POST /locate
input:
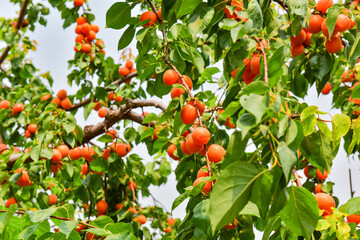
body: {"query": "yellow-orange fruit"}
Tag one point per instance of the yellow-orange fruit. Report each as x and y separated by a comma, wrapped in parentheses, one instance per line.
(207, 186)
(325, 202)
(10, 202)
(343, 23)
(122, 149)
(216, 153)
(203, 172)
(124, 71)
(171, 149)
(333, 45)
(62, 94)
(66, 104)
(101, 206)
(56, 157)
(315, 24)
(191, 146)
(148, 15)
(201, 135)
(326, 90)
(177, 92)
(184, 149)
(170, 77)
(75, 153)
(188, 114)
(299, 39)
(323, 5)
(64, 150)
(321, 176)
(52, 199)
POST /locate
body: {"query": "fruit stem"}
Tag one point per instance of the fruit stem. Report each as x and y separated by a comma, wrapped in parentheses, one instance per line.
(265, 61)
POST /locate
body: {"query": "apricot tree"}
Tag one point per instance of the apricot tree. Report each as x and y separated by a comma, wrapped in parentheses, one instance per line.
(60, 180)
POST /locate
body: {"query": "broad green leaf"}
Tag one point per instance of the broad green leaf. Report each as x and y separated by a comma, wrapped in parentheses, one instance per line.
(287, 159)
(231, 192)
(186, 6)
(201, 217)
(106, 138)
(309, 125)
(255, 104)
(231, 109)
(298, 7)
(197, 59)
(340, 126)
(69, 123)
(351, 207)
(250, 209)
(317, 151)
(356, 92)
(118, 15)
(27, 232)
(66, 227)
(276, 61)
(255, 13)
(150, 118)
(179, 199)
(307, 112)
(236, 149)
(127, 37)
(294, 135)
(256, 87)
(245, 122)
(331, 17)
(301, 213)
(41, 215)
(320, 66)
(5, 217)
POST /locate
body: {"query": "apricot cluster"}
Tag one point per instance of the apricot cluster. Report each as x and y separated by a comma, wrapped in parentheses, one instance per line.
(170, 77)
(15, 110)
(62, 101)
(239, 7)
(127, 69)
(86, 35)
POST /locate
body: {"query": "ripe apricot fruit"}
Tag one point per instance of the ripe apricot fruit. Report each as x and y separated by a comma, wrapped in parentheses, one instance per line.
(4, 104)
(315, 24)
(159, 14)
(170, 77)
(142, 219)
(84, 169)
(129, 64)
(111, 96)
(148, 15)
(201, 135)
(122, 149)
(177, 92)
(88, 153)
(94, 28)
(299, 39)
(307, 41)
(255, 64)
(101, 206)
(187, 80)
(102, 112)
(75, 153)
(56, 157)
(64, 150)
(326, 90)
(318, 188)
(232, 225)
(171, 221)
(112, 133)
(184, 149)
(216, 153)
(78, 29)
(131, 184)
(191, 146)
(321, 176)
(106, 153)
(18, 108)
(100, 43)
(91, 35)
(119, 206)
(62, 94)
(124, 71)
(343, 23)
(45, 97)
(78, 3)
(86, 47)
(200, 105)
(203, 172)
(24, 180)
(66, 104)
(207, 186)
(80, 20)
(32, 127)
(323, 5)
(354, 218)
(118, 98)
(27, 134)
(333, 45)
(325, 30)
(188, 114)
(168, 229)
(10, 202)
(325, 202)
(79, 38)
(348, 76)
(306, 171)
(171, 149)
(52, 199)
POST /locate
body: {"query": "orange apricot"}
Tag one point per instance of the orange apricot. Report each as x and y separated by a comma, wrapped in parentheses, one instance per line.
(86, 47)
(141, 219)
(215, 153)
(27, 134)
(52, 199)
(200, 105)
(347, 76)
(129, 64)
(325, 202)
(307, 41)
(171, 221)
(191, 146)
(201, 135)
(80, 20)
(56, 101)
(56, 157)
(171, 149)
(88, 153)
(64, 150)
(79, 38)
(106, 153)
(78, 3)
(168, 229)
(323, 5)
(159, 14)
(306, 171)
(102, 112)
(148, 15)
(112, 133)
(299, 39)
(318, 188)
(10, 202)
(124, 71)
(84, 170)
(101, 206)
(122, 149)
(255, 64)
(100, 43)
(66, 104)
(118, 98)
(188, 114)
(315, 24)
(4, 104)
(62, 94)
(32, 127)
(320, 175)
(203, 172)
(111, 96)
(177, 92)
(24, 180)
(75, 153)
(45, 97)
(187, 80)
(170, 77)
(327, 89)
(343, 23)
(119, 206)
(184, 149)
(78, 29)
(18, 108)
(207, 186)
(354, 218)
(333, 45)
(325, 29)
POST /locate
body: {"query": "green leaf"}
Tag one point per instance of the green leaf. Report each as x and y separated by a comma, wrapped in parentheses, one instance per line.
(298, 7)
(256, 87)
(201, 217)
(356, 92)
(197, 59)
(320, 66)
(309, 125)
(231, 192)
(254, 12)
(41, 215)
(276, 61)
(69, 123)
(99, 232)
(255, 104)
(27, 232)
(231, 109)
(66, 227)
(307, 112)
(35, 152)
(301, 213)
(127, 37)
(186, 6)
(340, 126)
(106, 138)
(179, 200)
(118, 15)
(150, 118)
(5, 217)
(294, 135)
(94, 181)
(236, 149)
(245, 122)
(332, 15)
(250, 209)
(287, 159)
(317, 151)
(351, 207)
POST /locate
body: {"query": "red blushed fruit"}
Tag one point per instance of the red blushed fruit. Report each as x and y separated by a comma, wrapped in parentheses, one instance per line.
(10, 202)
(177, 92)
(102, 112)
(84, 170)
(325, 202)
(18, 108)
(354, 218)
(4, 104)
(327, 89)
(64, 150)
(188, 114)
(255, 64)
(171, 149)
(32, 128)
(216, 153)
(170, 77)
(87, 153)
(321, 176)
(75, 153)
(184, 148)
(207, 186)
(148, 15)
(200, 105)
(52, 199)
(24, 180)
(201, 135)
(56, 158)
(299, 39)
(323, 5)
(122, 149)
(191, 146)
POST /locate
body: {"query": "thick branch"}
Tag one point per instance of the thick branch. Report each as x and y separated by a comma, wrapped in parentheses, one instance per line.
(18, 25)
(80, 104)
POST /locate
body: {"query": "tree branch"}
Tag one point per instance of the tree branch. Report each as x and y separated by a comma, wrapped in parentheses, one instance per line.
(351, 188)
(284, 6)
(265, 61)
(18, 25)
(297, 179)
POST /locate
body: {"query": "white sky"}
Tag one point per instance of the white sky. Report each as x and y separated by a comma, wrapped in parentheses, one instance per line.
(55, 48)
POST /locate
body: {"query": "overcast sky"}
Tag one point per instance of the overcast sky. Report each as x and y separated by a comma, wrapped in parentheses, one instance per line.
(55, 48)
